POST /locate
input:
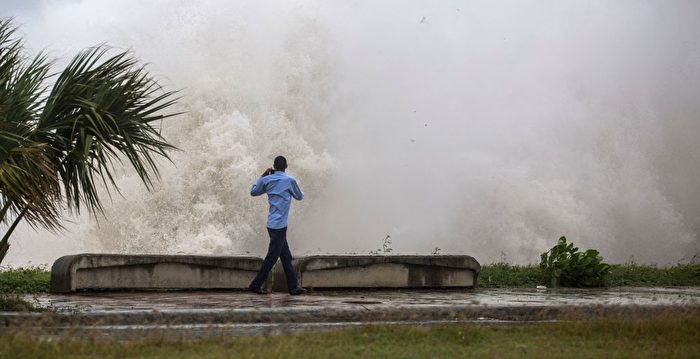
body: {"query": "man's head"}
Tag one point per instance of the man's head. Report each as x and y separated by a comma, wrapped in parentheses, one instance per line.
(280, 163)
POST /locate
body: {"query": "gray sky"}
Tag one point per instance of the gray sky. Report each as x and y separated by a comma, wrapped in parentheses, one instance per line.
(10, 7)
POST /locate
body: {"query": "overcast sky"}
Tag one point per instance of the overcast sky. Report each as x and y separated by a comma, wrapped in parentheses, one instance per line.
(11, 7)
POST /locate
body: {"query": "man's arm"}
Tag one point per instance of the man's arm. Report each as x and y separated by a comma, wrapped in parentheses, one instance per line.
(258, 187)
(296, 191)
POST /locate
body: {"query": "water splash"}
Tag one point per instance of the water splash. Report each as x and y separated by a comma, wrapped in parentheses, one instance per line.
(478, 128)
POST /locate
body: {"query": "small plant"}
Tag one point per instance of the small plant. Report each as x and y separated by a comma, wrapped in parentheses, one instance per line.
(386, 244)
(565, 266)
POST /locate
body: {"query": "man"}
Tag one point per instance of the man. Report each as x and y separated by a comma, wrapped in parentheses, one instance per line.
(280, 189)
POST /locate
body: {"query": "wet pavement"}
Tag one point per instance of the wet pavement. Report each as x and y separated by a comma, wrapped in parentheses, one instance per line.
(185, 301)
(125, 315)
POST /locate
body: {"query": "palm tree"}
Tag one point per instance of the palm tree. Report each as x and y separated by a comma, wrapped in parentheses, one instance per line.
(60, 143)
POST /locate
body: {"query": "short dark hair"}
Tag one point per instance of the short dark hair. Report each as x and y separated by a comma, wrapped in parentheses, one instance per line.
(280, 163)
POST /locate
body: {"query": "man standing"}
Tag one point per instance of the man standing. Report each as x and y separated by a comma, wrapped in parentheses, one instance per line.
(280, 189)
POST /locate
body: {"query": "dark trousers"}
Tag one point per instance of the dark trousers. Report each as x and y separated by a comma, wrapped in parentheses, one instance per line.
(278, 249)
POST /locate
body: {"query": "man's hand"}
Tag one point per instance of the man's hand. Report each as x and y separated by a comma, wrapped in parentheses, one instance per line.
(267, 172)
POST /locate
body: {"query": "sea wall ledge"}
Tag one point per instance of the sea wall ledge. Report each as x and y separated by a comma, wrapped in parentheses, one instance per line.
(383, 271)
(118, 271)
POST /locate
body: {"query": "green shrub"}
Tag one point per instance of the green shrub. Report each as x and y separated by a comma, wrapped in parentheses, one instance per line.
(565, 266)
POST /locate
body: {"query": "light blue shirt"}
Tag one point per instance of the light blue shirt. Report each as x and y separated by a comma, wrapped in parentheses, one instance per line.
(280, 189)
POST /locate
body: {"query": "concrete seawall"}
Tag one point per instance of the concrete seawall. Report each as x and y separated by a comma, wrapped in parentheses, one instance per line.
(143, 272)
(374, 271)
(114, 271)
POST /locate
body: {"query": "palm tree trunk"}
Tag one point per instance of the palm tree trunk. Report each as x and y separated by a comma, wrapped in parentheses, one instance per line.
(4, 242)
(3, 211)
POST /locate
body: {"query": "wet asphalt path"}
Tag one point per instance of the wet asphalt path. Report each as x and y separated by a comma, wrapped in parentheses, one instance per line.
(188, 314)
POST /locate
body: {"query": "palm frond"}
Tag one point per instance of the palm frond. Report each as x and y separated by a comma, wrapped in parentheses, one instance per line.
(101, 110)
(29, 183)
(28, 180)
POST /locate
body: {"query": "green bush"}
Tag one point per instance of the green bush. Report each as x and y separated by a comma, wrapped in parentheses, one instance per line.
(565, 266)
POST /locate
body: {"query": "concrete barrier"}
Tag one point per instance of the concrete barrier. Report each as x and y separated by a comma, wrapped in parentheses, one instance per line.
(115, 271)
(375, 271)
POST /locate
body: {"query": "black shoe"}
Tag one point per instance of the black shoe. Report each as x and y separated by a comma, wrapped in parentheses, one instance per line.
(257, 290)
(297, 291)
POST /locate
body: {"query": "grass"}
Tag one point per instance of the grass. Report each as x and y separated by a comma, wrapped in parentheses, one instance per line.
(644, 275)
(504, 275)
(671, 334)
(15, 303)
(28, 280)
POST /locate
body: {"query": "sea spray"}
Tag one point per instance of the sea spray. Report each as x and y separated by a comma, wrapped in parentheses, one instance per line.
(476, 127)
